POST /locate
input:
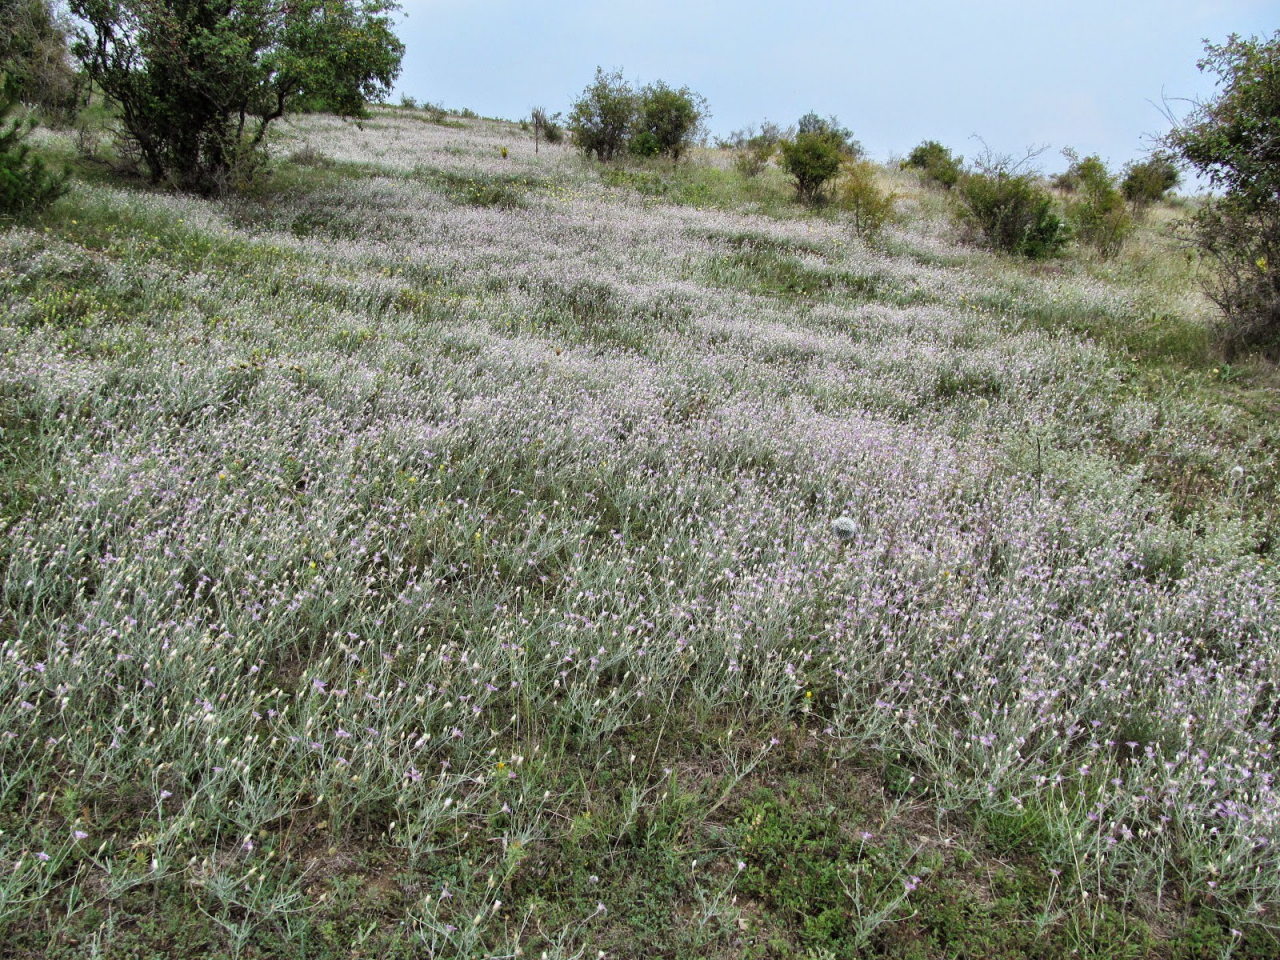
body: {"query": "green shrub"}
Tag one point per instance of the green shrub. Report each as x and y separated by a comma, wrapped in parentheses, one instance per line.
(1099, 213)
(1148, 181)
(1234, 141)
(553, 132)
(936, 163)
(1004, 204)
(858, 193)
(769, 132)
(815, 154)
(435, 112)
(600, 121)
(611, 118)
(199, 83)
(668, 121)
(545, 126)
(643, 143)
(830, 127)
(26, 186)
(750, 161)
(752, 151)
(812, 159)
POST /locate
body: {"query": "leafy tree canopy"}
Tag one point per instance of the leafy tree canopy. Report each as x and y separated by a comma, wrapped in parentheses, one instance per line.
(1234, 139)
(669, 120)
(600, 120)
(1149, 180)
(199, 82)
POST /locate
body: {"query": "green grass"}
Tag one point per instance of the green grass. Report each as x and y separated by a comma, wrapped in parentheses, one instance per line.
(778, 272)
(691, 865)
(506, 191)
(703, 183)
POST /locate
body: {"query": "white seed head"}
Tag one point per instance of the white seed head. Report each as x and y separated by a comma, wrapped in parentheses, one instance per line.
(845, 529)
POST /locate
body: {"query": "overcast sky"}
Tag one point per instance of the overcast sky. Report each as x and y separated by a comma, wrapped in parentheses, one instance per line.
(1086, 74)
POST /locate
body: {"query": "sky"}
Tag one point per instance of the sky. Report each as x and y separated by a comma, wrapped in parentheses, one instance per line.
(1092, 75)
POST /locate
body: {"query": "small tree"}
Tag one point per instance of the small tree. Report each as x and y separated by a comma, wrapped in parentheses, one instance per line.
(600, 120)
(936, 163)
(26, 185)
(830, 127)
(859, 193)
(199, 82)
(1234, 141)
(1001, 200)
(1099, 213)
(812, 159)
(667, 120)
(815, 154)
(1148, 181)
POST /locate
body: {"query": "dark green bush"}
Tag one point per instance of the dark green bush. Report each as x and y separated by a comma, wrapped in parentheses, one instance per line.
(936, 163)
(812, 159)
(815, 154)
(611, 118)
(1148, 181)
(1234, 141)
(601, 120)
(830, 127)
(26, 185)
(668, 121)
(1009, 210)
(643, 143)
(1098, 211)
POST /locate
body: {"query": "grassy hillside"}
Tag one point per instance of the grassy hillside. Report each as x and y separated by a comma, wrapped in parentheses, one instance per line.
(432, 555)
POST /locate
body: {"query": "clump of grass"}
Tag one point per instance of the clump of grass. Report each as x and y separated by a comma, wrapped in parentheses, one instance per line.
(308, 156)
(505, 191)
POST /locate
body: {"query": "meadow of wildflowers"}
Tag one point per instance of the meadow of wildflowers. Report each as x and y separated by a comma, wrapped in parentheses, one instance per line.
(390, 539)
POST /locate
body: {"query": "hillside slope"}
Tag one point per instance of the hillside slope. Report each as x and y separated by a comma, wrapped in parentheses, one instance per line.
(434, 552)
